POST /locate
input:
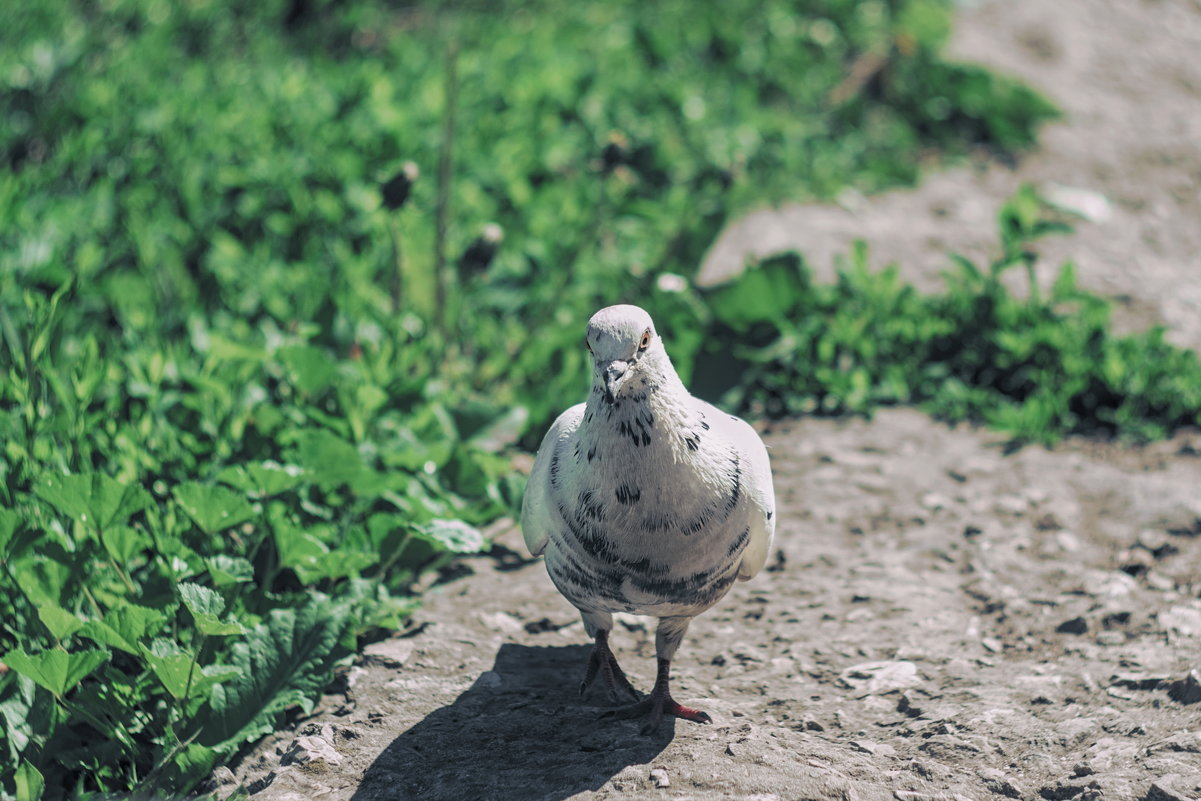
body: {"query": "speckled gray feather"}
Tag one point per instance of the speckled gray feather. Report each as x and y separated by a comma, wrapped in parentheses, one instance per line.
(645, 499)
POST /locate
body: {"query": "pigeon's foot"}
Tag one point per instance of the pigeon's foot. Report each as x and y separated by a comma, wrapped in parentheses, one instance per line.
(603, 662)
(658, 704)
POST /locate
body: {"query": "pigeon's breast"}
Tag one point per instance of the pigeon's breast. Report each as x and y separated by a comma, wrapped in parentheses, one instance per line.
(654, 515)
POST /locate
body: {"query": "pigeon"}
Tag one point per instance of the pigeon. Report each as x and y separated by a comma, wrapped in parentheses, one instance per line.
(646, 500)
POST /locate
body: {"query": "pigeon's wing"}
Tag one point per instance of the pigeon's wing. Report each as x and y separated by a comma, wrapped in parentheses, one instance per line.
(536, 508)
(757, 483)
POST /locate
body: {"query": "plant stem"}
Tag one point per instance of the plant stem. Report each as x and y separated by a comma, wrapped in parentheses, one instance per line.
(398, 277)
(386, 565)
(445, 173)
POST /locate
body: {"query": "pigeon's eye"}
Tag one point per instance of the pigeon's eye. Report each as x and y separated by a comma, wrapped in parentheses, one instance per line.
(645, 342)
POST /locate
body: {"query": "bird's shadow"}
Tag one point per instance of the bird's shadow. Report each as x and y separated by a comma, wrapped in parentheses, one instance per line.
(519, 733)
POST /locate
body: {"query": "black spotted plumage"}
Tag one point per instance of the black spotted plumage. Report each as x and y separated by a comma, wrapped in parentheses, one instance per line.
(645, 499)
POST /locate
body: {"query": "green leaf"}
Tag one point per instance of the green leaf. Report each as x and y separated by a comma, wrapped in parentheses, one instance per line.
(331, 461)
(206, 606)
(54, 668)
(123, 543)
(286, 661)
(453, 535)
(94, 499)
(212, 507)
(171, 663)
(311, 369)
(124, 627)
(8, 527)
(765, 293)
(229, 570)
(262, 479)
(29, 781)
(16, 713)
(62, 624)
(44, 581)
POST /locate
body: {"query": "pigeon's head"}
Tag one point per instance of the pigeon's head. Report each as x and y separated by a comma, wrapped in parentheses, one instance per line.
(627, 354)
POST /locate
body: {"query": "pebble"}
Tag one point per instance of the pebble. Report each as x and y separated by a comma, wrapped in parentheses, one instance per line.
(913, 795)
(391, 653)
(872, 678)
(1183, 620)
(1186, 690)
(997, 782)
(934, 501)
(502, 622)
(1086, 203)
(1076, 625)
(1172, 788)
(1011, 505)
(875, 749)
(311, 749)
(660, 778)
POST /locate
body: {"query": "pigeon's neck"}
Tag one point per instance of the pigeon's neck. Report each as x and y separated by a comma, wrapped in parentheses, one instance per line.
(655, 420)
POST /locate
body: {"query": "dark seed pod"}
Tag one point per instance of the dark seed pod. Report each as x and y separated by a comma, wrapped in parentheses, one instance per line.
(482, 250)
(397, 188)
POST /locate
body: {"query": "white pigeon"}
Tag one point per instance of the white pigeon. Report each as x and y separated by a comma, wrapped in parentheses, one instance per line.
(646, 500)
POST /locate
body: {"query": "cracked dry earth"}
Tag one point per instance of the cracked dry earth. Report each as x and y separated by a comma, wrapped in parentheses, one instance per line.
(942, 620)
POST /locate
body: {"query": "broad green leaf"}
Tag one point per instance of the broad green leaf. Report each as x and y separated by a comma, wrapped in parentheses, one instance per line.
(262, 479)
(766, 293)
(286, 661)
(206, 606)
(62, 624)
(45, 581)
(171, 663)
(453, 535)
(228, 570)
(212, 507)
(16, 712)
(311, 369)
(94, 499)
(29, 781)
(124, 627)
(8, 526)
(54, 668)
(123, 543)
(329, 460)
(191, 766)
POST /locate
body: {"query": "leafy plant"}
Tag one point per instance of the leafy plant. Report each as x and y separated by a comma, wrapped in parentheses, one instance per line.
(232, 432)
(1039, 367)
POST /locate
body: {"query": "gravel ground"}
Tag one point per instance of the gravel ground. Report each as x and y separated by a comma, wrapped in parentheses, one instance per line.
(945, 618)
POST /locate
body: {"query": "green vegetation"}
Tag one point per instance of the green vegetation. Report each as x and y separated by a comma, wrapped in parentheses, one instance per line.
(1037, 367)
(238, 418)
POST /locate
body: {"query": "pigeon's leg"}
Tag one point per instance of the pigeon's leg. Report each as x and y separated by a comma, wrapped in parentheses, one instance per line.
(602, 661)
(659, 702)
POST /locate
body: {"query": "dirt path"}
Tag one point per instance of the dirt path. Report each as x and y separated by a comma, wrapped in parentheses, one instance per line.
(944, 620)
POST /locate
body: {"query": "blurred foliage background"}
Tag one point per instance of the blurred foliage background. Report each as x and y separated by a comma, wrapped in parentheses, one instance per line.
(283, 286)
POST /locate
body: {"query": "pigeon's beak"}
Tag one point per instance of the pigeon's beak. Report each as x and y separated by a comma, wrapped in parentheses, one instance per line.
(613, 372)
